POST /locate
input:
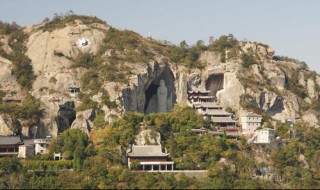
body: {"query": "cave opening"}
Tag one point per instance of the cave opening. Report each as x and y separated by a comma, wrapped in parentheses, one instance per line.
(214, 83)
(66, 116)
(160, 92)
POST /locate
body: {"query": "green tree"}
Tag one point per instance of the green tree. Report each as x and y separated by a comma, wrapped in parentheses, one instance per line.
(183, 44)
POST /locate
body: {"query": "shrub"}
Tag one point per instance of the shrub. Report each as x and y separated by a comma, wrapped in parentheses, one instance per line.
(85, 60)
(293, 85)
(90, 81)
(225, 42)
(302, 64)
(22, 64)
(248, 60)
(53, 80)
(106, 100)
(61, 20)
(58, 53)
(99, 121)
(29, 111)
(87, 103)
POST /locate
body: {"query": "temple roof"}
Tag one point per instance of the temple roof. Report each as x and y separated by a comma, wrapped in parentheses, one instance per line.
(206, 105)
(202, 97)
(10, 140)
(222, 120)
(146, 151)
(199, 91)
(215, 112)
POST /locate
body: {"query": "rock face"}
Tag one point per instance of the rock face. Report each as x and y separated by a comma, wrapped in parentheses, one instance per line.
(151, 92)
(8, 82)
(83, 120)
(154, 86)
(50, 53)
(5, 125)
(148, 137)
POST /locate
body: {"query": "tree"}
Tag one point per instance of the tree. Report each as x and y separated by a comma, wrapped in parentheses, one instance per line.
(183, 44)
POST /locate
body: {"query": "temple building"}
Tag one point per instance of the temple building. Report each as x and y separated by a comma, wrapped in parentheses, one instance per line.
(201, 101)
(41, 146)
(73, 90)
(149, 158)
(9, 145)
(199, 96)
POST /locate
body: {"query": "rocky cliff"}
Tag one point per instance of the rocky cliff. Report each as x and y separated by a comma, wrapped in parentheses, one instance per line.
(80, 69)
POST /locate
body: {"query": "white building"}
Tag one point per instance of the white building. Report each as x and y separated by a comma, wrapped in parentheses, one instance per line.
(265, 135)
(25, 151)
(250, 122)
(41, 146)
(32, 147)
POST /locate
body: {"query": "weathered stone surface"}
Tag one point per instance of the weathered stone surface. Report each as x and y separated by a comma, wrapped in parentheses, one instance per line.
(211, 58)
(143, 88)
(311, 118)
(6, 128)
(301, 79)
(276, 76)
(311, 88)
(229, 96)
(5, 45)
(8, 82)
(83, 120)
(148, 137)
(140, 93)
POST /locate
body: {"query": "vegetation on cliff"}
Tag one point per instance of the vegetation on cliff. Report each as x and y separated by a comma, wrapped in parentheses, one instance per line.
(97, 163)
(22, 69)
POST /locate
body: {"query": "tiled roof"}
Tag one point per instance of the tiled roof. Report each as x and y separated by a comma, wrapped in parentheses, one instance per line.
(10, 140)
(28, 141)
(222, 120)
(202, 97)
(147, 151)
(199, 91)
(215, 112)
(206, 105)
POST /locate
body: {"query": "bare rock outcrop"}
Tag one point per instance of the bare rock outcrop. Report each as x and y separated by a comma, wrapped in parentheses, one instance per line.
(148, 137)
(83, 120)
(311, 88)
(6, 128)
(311, 118)
(139, 94)
(52, 55)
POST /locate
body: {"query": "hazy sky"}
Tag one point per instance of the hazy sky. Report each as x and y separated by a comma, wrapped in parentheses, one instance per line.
(290, 27)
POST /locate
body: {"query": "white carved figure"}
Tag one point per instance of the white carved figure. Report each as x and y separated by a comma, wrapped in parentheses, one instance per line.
(170, 104)
(83, 43)
(162, 97)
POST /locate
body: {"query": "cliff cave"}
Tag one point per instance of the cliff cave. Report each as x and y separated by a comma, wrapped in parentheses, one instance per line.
(160, 93)
(214, 83)
(66, 115)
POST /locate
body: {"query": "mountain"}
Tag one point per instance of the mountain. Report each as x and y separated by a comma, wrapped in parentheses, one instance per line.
(77, 72)
(114, 70)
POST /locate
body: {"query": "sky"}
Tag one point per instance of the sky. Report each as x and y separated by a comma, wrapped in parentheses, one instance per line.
(290, 27)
